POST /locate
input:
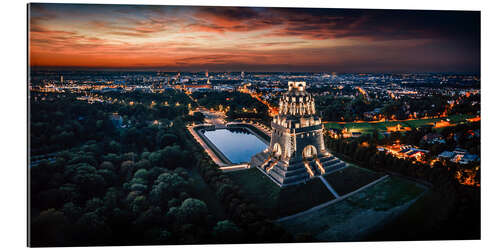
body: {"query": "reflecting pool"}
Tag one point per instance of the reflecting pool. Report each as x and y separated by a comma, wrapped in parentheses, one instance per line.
(237, 144)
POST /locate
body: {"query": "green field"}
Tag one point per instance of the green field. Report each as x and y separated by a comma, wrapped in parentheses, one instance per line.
(414, 217)
(367, 127)
(351, 178)
(277, 202)
(360, 214)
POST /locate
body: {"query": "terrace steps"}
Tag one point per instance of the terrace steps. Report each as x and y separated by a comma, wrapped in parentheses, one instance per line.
(294, 172)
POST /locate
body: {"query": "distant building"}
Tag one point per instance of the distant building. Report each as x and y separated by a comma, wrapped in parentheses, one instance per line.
(107, 90)
(145, 89)
(473, 134)
(404, 151)
(459, 155)
(196, 87)
(468, 158)
(398, 128)
(356, 134)
(445, 155)
(433, 138)
(348, 134)
(224, 88)
(416, 153)
(442, 124)
(372, 114)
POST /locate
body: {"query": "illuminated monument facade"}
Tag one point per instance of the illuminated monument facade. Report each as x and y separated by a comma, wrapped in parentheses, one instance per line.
(297, 151)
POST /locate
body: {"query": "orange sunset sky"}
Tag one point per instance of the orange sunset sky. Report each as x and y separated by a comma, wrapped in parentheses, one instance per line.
(68, 36)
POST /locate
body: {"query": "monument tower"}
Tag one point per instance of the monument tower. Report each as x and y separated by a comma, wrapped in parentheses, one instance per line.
(297, 151)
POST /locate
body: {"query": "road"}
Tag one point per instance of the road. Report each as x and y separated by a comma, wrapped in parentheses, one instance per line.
(213, 117)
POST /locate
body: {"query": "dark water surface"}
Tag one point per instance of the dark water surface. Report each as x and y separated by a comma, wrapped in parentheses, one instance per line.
(237, 144)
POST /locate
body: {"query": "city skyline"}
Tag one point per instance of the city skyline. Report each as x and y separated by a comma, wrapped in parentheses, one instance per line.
(176, 38)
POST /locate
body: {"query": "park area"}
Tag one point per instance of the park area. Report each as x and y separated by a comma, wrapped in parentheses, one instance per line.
(369, 127)
(368, 201)
(351, 178)
(277, 202)
(358, 215)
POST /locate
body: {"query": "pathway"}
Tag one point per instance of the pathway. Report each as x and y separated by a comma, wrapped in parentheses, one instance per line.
(329, 187)
(236, 167)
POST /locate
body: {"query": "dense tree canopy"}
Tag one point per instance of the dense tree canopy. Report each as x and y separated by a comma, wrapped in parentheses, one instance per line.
(95, 182)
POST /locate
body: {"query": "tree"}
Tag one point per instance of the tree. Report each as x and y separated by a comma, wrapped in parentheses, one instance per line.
(139, 204)
(109, 176)
(173, 202)
(141, 176)
(145, 155)
(227, 232)
(92, 228)
(138, 187)
(114, 147)
(126, 169)
(111, 199)
(113, 158)
(158, 236)
(107, 165)
(174, 156)
(71, 211)
(191, 211)
(156, 158)
(165, 187)
(224, 192)
(50, 228)
(88, 180)
(51, 198)
(198, 117)
(93, 204)
(143, 163)
(166, 139)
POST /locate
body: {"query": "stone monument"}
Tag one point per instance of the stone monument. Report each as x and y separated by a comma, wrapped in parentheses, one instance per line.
(296, 153)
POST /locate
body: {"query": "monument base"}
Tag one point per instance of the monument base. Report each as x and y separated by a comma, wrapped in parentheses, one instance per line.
(293, 172)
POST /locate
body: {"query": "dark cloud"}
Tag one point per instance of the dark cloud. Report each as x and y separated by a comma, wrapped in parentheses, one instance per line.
(229, 13)
(384, 40)
(343, 23)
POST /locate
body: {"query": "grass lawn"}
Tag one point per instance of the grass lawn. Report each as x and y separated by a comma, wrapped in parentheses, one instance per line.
(420, 217)
(420, 123)
(357, 216)
(277, 202)
(360, 127)
(387, 194)
(460, 118)
(333, 125)
(382, 126)
(367, 127)
(351, 178)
